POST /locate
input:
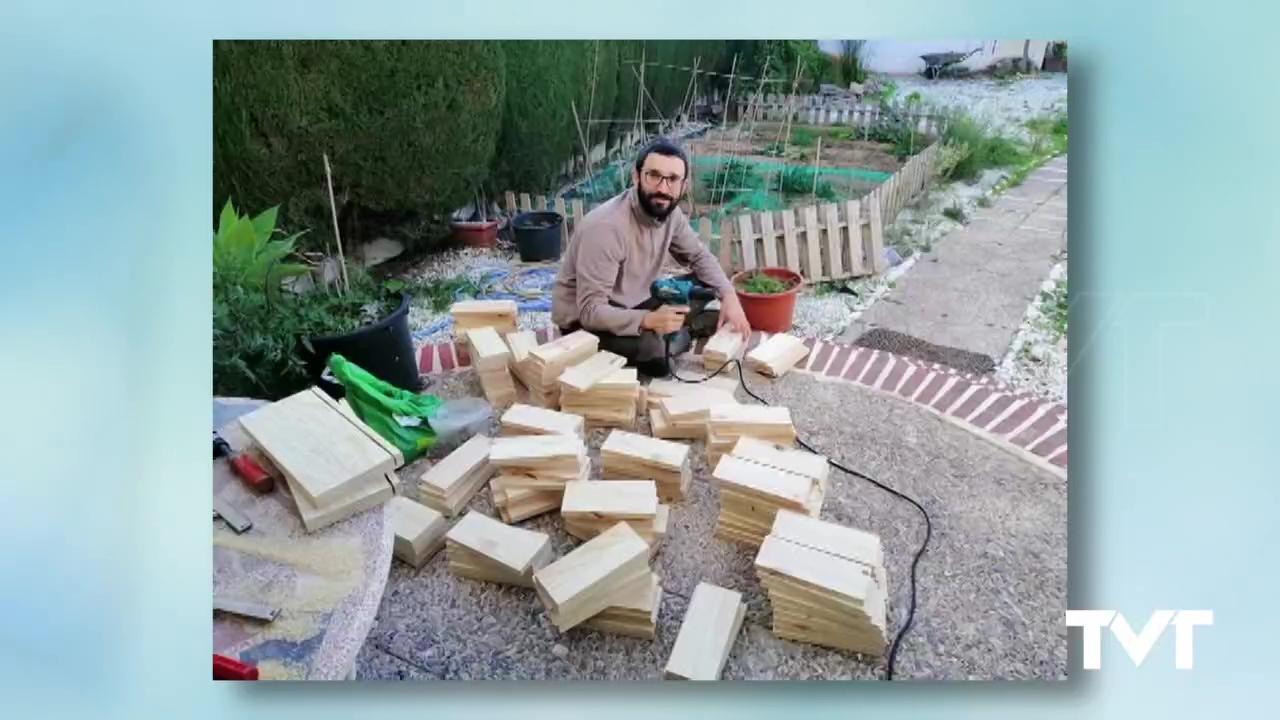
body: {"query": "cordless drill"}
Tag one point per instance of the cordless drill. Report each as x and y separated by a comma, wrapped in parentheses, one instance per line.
(679, 291)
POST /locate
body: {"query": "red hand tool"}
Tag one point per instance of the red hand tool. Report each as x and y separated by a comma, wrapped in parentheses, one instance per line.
(245, 466)
(225, 668)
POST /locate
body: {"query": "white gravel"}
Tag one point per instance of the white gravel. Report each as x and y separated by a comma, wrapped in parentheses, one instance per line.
(1037, 358)
(1002, 105)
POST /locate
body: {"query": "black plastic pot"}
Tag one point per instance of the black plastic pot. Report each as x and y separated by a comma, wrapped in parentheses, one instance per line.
(384, 348)
(537, 235)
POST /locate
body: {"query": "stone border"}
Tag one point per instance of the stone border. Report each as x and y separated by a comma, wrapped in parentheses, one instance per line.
(1035, 427)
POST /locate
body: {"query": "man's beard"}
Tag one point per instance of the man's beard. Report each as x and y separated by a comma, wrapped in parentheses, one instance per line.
(646, 203)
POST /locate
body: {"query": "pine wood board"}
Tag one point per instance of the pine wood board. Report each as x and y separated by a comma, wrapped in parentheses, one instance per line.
(707, 633)
(796, 603)
(418, 530)
(344, 407)
(618, 500)
(666, 431)
(317, 446)
(625, 584)
(770, 485)
(523, 419)
(811, 568)
(583, 376)
(722, 347)
(459, 465)
(662, 388)
(777, 355)
(545, 451)
(695, 406)
(582, 579)
(364, 495)
(839, 540)
(649, 451)
(868, 646)
(800, 462)
(487, 349)
(514, 549)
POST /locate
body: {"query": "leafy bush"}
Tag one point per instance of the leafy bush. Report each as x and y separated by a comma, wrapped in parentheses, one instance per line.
(732, 179)
(800, 181)
(407, 125)
(246, 252)
(984, 149)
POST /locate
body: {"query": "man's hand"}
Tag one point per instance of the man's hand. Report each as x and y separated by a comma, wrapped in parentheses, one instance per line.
(666, 319)
(731, 314)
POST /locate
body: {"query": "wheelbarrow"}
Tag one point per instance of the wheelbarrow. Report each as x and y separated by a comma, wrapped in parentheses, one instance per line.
(936, 63)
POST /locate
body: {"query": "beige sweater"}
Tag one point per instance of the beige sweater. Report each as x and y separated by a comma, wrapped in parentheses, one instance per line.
(615, 254)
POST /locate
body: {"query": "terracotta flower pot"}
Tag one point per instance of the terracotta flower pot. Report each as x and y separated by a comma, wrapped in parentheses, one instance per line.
(771, 313)
(476, 234)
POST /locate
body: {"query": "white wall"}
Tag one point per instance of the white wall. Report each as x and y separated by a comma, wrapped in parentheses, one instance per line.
(900, 57)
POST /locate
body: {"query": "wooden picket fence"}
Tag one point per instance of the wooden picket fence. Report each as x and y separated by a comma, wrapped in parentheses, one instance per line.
(839, 113)
(829, 241)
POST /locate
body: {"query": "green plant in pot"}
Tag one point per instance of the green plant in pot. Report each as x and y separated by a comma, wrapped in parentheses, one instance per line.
(768, 296)
(270, 340)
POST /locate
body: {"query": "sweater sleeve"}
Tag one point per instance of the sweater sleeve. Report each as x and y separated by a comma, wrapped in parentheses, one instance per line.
(688, 250)
(598, 263)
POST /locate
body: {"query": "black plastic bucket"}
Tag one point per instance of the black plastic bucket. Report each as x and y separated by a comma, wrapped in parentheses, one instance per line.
(384, 348)
(537, 235)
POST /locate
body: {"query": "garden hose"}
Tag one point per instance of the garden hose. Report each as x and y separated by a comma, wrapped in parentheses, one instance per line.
(928, 524)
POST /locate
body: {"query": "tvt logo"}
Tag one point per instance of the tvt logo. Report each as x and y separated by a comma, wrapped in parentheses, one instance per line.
(1138, 645)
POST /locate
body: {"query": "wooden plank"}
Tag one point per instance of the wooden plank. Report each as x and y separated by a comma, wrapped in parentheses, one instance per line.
(583, 376)
(694, 406)
(344, 408)
(839, 540)
(747, 236)
(812, 244)
(778, 486)
(651, 451)
(539, 203)
(512, 548)
(726, 246)
(532, 450)
(756, 415)
(521, 343)
(875, 245)
(510, 198)
(835, 247)
(853, 229)
(355, 498)
(531, 420)
(488, 351)
(419, 531)
(817, 569)
(579, 581)
(801, 462)
(526, 204)
(446, 474)
(317, 446)
(770, 239)
(707, 633)
(617, 499)
(789, 240)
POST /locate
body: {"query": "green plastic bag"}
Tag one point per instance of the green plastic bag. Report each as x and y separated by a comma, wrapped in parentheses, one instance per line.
(400, 416)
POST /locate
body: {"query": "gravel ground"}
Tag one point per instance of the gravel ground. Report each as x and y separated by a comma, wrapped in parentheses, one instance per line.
(992, 585)
(1037, 358)
(1002, 105)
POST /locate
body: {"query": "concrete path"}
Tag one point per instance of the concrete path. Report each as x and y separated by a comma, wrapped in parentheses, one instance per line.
(992, 587)
(963, 302)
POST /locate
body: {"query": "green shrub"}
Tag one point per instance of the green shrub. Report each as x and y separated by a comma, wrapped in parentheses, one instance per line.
(246, 251)
(800, 181)
(984, 149)
(408, 125)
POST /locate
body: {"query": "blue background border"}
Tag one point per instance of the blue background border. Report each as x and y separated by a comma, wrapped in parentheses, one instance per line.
(105, 169)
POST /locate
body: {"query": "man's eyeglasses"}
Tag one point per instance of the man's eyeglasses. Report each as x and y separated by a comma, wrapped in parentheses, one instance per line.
(653, 177)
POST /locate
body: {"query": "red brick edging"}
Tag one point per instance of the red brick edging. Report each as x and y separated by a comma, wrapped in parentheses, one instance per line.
(1033, 423)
